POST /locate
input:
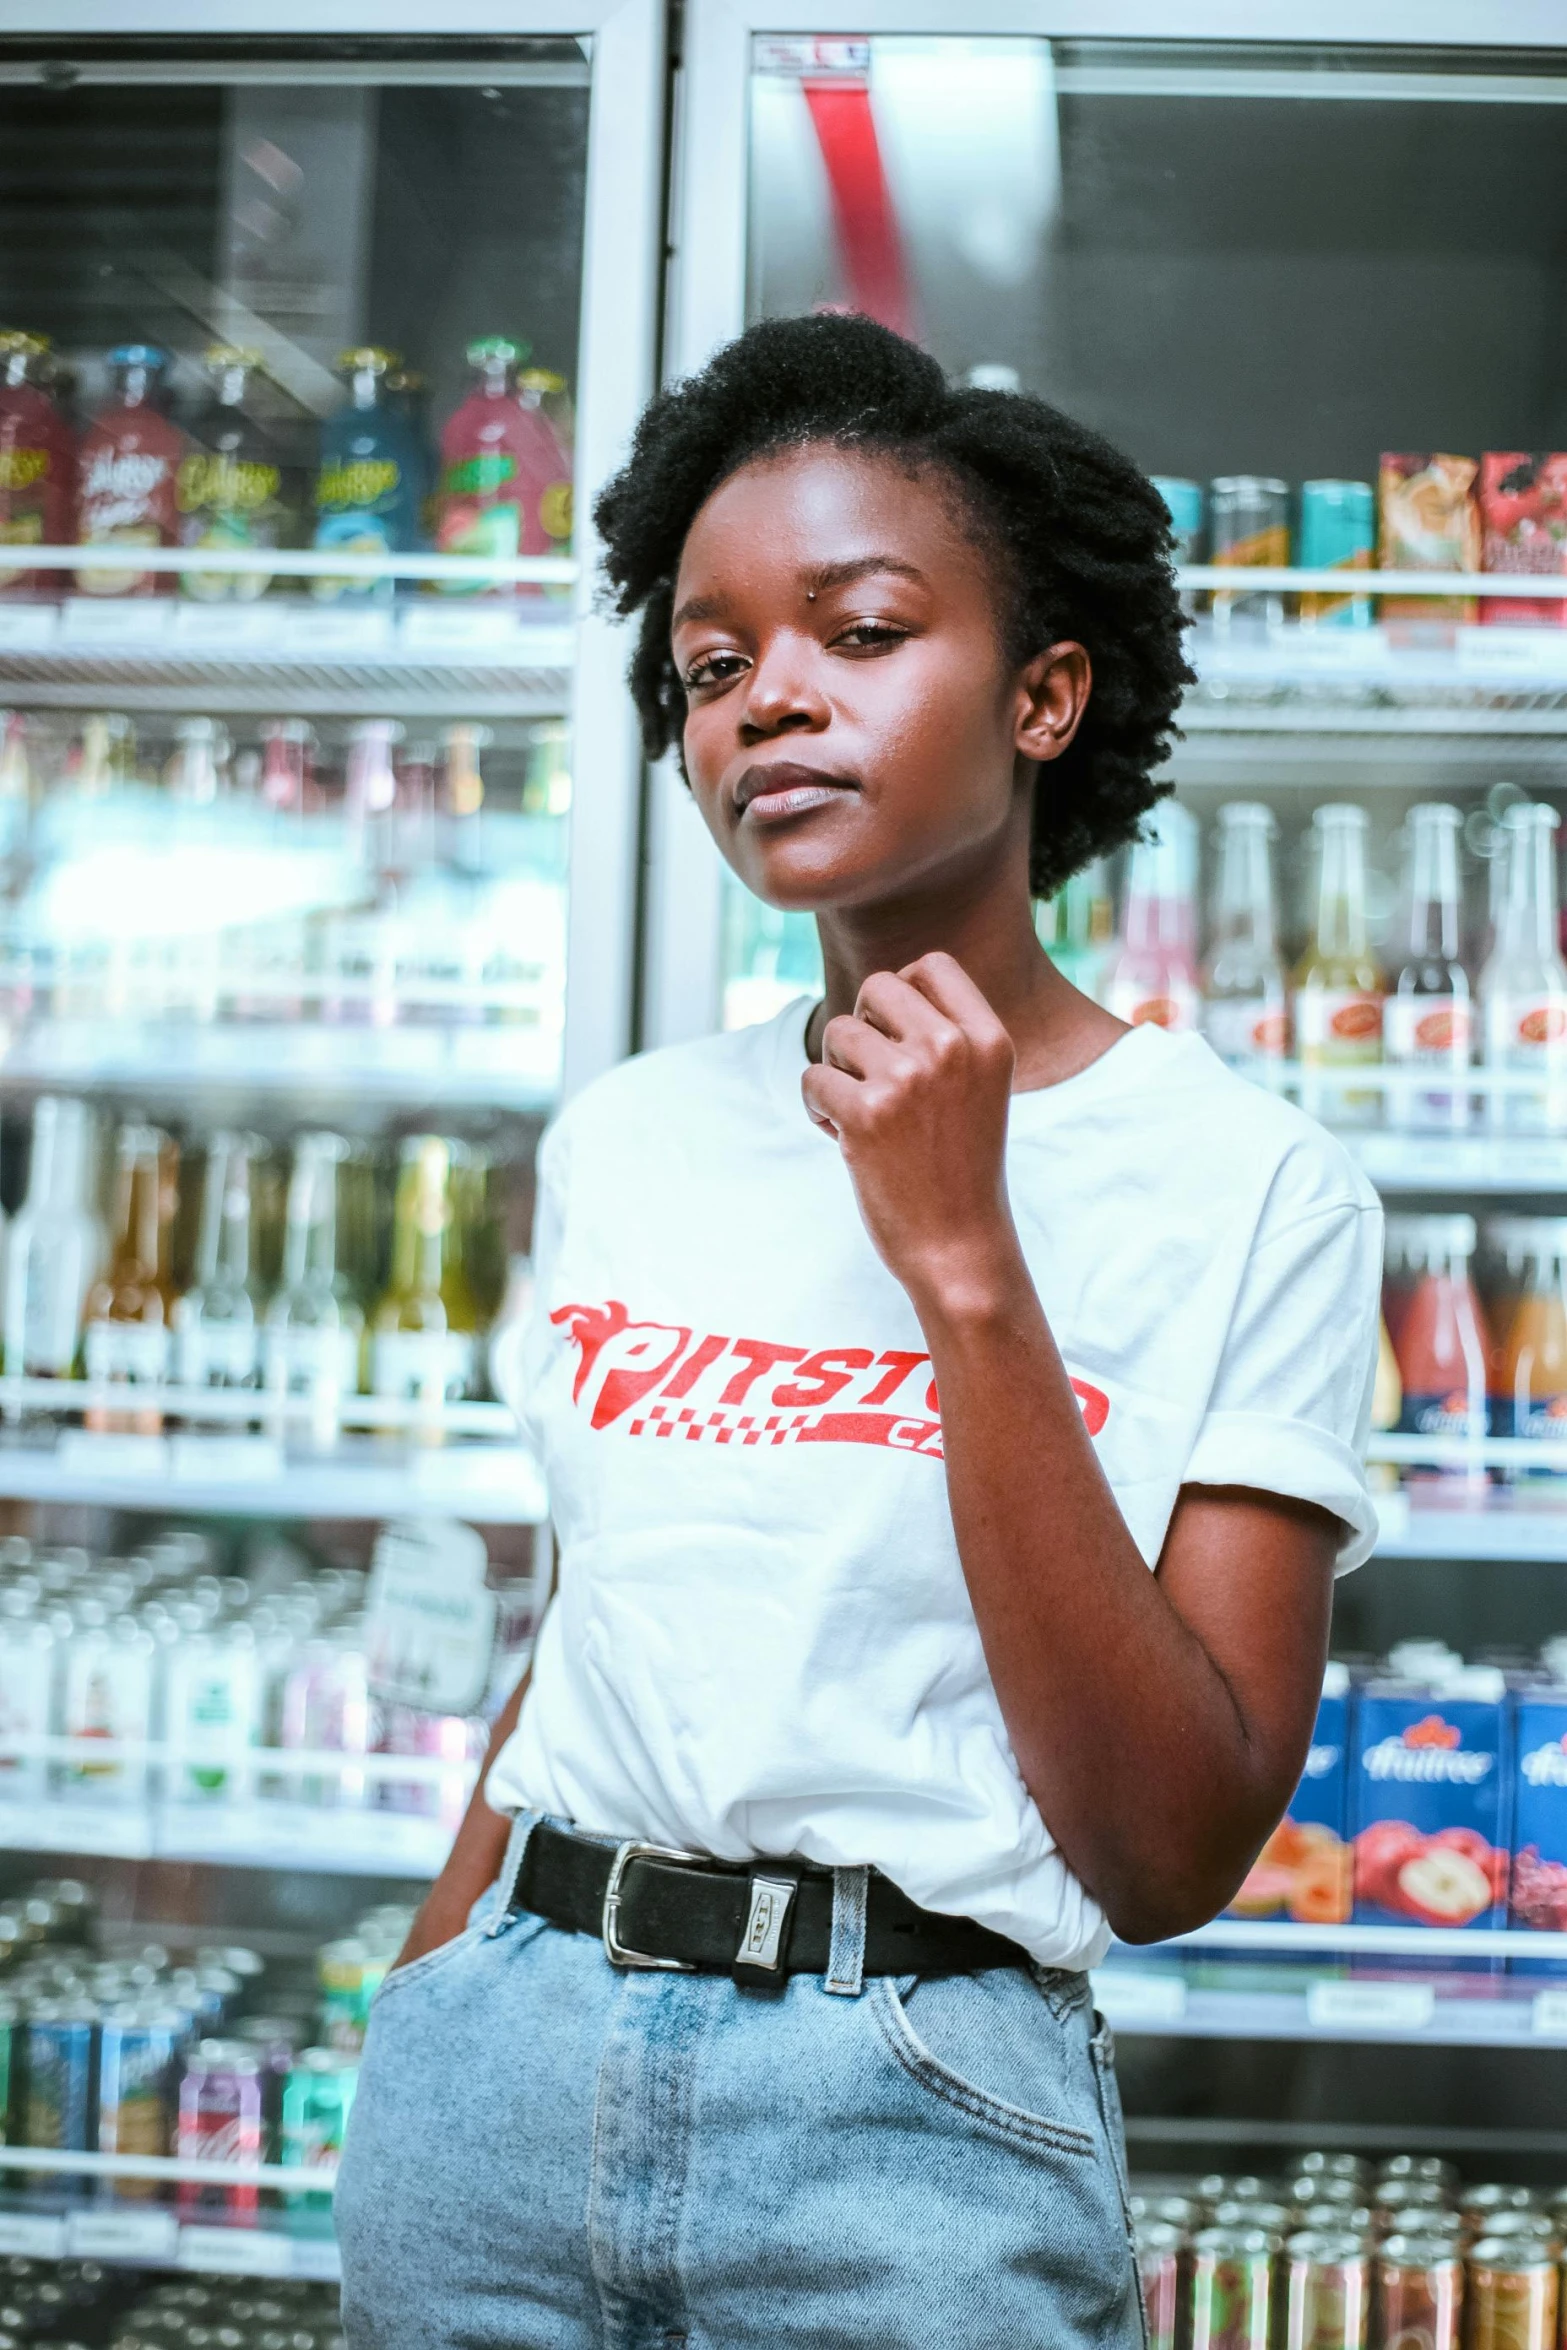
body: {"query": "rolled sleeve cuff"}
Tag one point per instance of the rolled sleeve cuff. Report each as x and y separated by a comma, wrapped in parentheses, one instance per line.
(1293, 1458)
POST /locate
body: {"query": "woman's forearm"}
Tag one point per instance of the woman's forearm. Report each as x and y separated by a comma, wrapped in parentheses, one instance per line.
(476, 1854)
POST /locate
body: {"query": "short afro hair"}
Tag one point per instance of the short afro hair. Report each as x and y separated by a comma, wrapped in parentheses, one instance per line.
(1080, 540)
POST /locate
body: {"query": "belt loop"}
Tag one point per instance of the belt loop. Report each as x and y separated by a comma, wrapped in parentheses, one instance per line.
(506, 1902)
(846, 1954)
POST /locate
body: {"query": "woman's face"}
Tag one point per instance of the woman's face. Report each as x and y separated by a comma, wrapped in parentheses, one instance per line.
(853, 728)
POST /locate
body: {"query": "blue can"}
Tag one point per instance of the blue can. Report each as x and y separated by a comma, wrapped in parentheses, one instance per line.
(1187, 508)
(138, 2049)
(59, 2050)
(1337, 533)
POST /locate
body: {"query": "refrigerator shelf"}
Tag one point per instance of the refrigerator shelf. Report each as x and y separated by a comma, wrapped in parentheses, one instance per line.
(1498, 1524)
(493, 1484)
(321, 1839)
(284, 2244)
(1440, 2011)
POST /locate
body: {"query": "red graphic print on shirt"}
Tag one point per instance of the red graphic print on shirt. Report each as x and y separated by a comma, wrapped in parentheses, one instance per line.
(662, 1379)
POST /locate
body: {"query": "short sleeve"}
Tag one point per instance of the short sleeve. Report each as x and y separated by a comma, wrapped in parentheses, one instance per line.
(1290, 1409)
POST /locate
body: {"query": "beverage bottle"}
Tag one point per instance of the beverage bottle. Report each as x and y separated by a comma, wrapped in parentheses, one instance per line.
(103, 759)
(423, 1331)
(198, 765)
(408, 396)
(1429, 1016)
(327, 1710)
(106, 1691)
(504, 478)
(1245, 1009)
(213, 1710)
(1442, 1346)
(314, 1326)
(1152, 974)
(542, 389)
(288, 781)
(234, 489)
(1530, 1393)
(1523, 988)
(216, 1322)
(55, 1245)
(1338, 982)
(28, 1654)
(37, 463)
(126, 1338)
(1076, 927)
(128, 472)
(367, 484)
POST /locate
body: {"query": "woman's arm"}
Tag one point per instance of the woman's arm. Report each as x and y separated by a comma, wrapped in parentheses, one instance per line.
(1160, 1722)
(476, 1855)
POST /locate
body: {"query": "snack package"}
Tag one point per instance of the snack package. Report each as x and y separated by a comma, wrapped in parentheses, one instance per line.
(1539, 1876)
(1303, 1871)
(1523, 519)
(1431, 1801)
(1429, 520)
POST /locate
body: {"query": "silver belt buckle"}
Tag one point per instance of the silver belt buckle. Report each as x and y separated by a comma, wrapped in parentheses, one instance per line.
(614, 1949)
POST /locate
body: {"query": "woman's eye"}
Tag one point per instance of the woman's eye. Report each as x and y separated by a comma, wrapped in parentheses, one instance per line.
(713, 669)
(870, 636)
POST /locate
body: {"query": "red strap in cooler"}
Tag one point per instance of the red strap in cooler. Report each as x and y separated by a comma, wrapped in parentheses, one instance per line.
(862, 204)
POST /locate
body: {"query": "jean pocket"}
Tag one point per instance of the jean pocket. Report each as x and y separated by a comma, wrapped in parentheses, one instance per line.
(991, 2047)
(429, 1962)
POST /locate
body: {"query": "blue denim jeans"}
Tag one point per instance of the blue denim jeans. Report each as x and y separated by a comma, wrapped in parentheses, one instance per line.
(550, 2153)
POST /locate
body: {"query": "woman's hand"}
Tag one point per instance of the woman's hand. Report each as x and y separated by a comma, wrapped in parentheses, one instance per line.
(915, 1084)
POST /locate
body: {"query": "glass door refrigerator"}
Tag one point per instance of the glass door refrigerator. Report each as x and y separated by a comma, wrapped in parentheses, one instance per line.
(319, 794)
(1311, 279)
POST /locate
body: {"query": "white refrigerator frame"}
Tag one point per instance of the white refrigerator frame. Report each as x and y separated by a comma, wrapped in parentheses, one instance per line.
(617, 356)
(709, 201)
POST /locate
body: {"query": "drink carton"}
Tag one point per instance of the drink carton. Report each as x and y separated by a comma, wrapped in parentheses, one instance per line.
(1429, 520)
(1431, 1801)
(1539, 1875)
(1523, 517)
(1303, 1871)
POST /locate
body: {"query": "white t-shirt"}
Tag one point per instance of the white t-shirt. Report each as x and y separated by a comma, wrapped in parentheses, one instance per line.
(762, 1642)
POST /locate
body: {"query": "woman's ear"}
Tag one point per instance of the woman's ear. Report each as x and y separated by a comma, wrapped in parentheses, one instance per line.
(1052, 694)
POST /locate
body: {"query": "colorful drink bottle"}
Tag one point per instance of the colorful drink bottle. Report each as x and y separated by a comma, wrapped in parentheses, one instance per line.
(367, 487)
(1338, 984)
(1530, 1394)
(232, 489)
(1429, 1015)
(128, 473)
(1442, 1345)
(1523, 988)
(126, 1338)
(1077, 925)
(1152, 976)
(37, 462)
(1245, 1011)
(505, 485)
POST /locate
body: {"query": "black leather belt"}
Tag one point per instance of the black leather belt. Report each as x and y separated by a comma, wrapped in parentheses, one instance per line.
(759, 1921)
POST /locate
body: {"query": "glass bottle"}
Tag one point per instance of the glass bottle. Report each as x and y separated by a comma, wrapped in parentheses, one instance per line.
(314, 1325)
(1442, 1348)
(1076, 926)
(198, 764)
(104, 759)
(216, 1322)
(1245, 1010)
(1429, 1014)
(1523, 988)
(233, 490)
(422, 1343)
(55, 1245)
(1152, 975)
(126, 1340)
(1530, 1398)
(287, 777)
(1338, 981)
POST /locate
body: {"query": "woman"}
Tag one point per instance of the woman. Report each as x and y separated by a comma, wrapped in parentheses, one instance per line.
(886, 1684)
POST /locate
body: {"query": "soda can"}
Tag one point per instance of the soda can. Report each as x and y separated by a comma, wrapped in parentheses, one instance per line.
(1170, 2211)
(1232, 2290)
(1320, 2164)
(1239, 2212)
(276, 2039)
(318, 2097)
(1338, 532)
(1411, 2195)
(1161, 2270)
(1249, 528)
(220, 2120)
(1512, 2292)
(57, 2039)
(138, 2053)
(1326, 2291)
(1184, 502)
(1477, 2204)
(350, 1975)
(1238, 2186)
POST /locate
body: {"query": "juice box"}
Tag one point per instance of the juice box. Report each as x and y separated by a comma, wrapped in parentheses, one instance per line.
(1431, 1801)
(1539, 1879)
(1523, 521)
(1303, 1871)
(1429, 520)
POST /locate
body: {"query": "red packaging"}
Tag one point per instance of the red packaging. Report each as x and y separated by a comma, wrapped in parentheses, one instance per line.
(37, 463)
(1523, 520)
(126, 476)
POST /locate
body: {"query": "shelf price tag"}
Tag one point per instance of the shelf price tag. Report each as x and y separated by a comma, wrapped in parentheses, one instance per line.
(1548, 2015)
(249, 2252)
(36, 2237)
(1370, 2007)
(122, 2235)
(1131, 2000)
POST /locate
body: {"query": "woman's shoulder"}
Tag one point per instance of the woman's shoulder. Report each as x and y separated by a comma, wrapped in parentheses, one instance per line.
(668, 1089)
(1238, 1133)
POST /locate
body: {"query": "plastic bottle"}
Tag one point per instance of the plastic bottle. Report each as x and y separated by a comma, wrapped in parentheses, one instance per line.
(126, 1338)
(1442, 1345)
(37, 463)
(367, 486)
(1429, 1015)
(234, 489)
(1523, 988)
(128, 473)
(1152, 976)
(1338, 983)
(490, 456)
(1530, 1395)
(314, 1326)
(216, 1340)
(56, 1244)
(1245, 1010)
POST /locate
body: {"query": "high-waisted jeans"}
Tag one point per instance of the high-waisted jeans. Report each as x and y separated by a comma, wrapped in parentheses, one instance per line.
(549, 2153)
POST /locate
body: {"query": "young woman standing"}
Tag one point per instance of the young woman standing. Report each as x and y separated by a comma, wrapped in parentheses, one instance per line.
(950, 1400)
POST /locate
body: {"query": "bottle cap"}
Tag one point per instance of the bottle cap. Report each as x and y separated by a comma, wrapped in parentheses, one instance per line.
(148, 355)
(231, 355)
(497, 348)
(366, 359)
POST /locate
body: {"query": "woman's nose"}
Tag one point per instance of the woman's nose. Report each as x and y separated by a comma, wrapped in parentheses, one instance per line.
(781, 694)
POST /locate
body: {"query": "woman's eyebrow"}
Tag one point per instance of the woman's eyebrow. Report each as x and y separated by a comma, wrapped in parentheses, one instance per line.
(820, 577)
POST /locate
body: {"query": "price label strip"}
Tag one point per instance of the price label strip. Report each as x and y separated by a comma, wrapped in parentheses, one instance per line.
(1370, 2007)
(123, 2235)
(1130, 2000)
(250, 2252)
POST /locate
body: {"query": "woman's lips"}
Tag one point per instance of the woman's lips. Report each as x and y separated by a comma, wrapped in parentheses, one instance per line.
(771, 795)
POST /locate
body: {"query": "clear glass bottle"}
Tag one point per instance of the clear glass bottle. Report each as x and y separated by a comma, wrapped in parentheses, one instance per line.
(422, 1342)
(1429, 1013)
(1245, 1006)
(314, 1326)
(216, 1322)
(55, 1246)
(1077, 925)
(1338, 981)
(126, 1336)
(1152, 973)
(1523, 988)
